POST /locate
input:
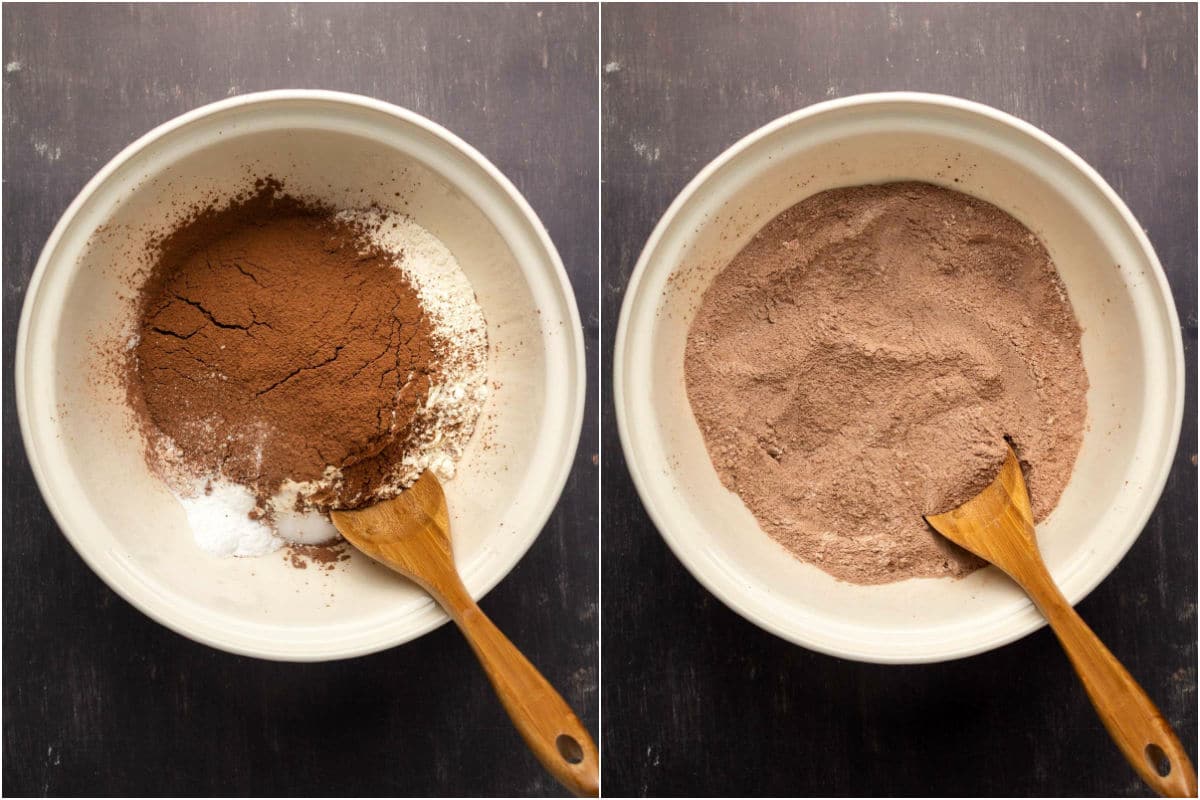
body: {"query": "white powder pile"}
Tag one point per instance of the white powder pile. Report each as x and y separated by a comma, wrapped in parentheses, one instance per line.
(218, 511)
(220, 520)
(460, 332)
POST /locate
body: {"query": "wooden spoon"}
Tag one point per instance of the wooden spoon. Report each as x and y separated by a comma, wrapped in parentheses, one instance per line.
(997, 525)
(411, 535)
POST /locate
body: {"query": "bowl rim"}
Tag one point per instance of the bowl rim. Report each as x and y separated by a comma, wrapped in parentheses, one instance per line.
(680, 546)
(114, 579)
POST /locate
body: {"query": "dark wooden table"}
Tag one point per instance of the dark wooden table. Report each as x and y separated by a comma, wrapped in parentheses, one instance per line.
(98, 699)
(699, 701)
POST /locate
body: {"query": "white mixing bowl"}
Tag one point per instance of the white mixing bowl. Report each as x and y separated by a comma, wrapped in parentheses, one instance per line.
(349, 151)
(1131, 347)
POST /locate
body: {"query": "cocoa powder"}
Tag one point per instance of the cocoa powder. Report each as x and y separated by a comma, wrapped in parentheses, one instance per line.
(860, 362)
(276, 343)
(322, 556)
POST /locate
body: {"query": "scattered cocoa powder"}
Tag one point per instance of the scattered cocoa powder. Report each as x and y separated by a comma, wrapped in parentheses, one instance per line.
(859, 363)
(275, 343)
(321, 556)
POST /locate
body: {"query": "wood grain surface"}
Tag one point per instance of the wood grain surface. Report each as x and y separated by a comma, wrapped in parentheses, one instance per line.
(699, 701)
(100, 700)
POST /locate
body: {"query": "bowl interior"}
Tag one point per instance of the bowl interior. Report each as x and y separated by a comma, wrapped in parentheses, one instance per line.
(1128, 348)
(90, 465)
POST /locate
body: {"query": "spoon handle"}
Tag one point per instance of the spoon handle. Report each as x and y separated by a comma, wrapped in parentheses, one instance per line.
(541, 716)
(1134, 722)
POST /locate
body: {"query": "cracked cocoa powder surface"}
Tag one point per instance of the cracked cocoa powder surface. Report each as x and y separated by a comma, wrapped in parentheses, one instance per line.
(276, 342)
(858, 364)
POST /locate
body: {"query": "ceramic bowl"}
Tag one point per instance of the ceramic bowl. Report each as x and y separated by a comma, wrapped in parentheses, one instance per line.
(349, 151)
(1131, 348)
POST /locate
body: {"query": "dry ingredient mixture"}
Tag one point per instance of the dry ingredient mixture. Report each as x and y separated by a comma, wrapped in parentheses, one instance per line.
(860, 362)
(290, 359)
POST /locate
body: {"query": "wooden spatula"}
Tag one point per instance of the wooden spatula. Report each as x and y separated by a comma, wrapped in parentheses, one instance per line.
(997, 525)
(411, 535)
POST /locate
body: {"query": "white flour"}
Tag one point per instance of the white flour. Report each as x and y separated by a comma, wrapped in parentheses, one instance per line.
(459, 330)
(220, 519)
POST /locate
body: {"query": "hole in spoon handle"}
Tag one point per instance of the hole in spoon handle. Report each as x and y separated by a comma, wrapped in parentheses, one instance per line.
(570, 749)
(1159, 761)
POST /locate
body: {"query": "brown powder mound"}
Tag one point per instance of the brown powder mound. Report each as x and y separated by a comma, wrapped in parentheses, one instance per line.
(276, 342)
(860, 362)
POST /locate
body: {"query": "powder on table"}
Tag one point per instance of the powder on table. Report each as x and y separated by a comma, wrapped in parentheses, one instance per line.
(859, 363)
